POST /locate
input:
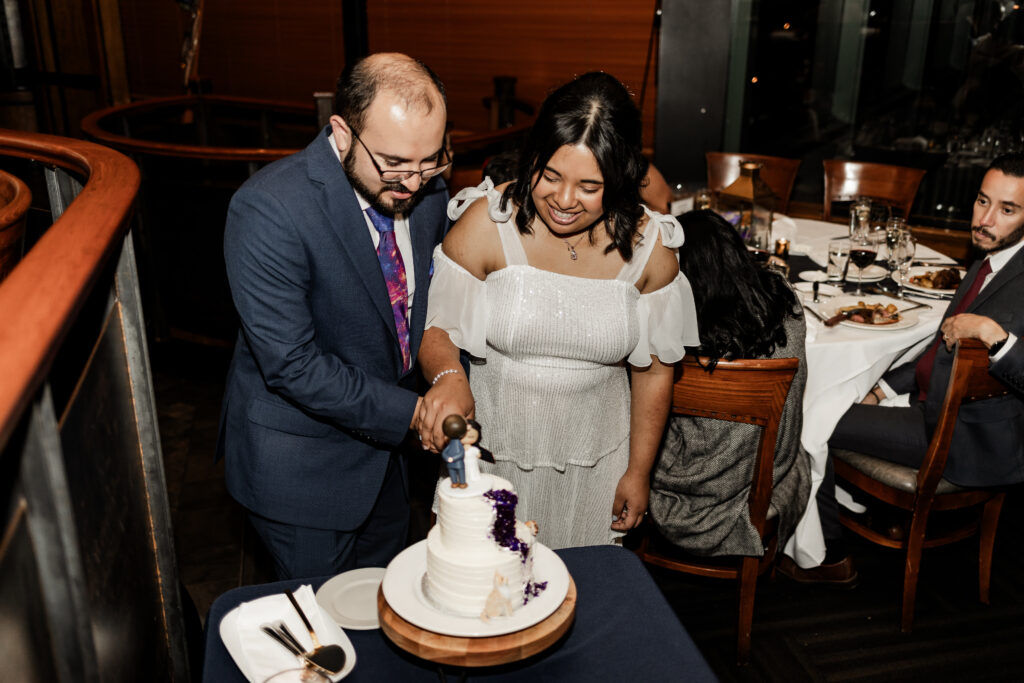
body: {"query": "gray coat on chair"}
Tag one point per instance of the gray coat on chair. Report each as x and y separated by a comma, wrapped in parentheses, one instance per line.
(703, 473)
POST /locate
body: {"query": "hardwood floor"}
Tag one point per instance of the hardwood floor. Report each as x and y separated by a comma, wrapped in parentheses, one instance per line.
(811, 633)
(801, 633)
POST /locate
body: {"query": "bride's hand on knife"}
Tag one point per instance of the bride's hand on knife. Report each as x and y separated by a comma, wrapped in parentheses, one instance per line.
(449, 396)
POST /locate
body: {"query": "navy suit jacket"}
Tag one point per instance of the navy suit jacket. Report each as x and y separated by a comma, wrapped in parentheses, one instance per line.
(988, 440)
(316, 399)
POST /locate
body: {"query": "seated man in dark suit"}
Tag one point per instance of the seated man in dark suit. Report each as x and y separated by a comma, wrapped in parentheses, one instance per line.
(988, 442)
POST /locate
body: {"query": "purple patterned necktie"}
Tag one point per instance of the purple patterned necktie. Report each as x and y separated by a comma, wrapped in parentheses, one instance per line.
(393, 267)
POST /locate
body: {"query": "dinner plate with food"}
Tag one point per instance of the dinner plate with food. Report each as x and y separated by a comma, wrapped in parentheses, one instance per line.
(934, 279)
(869, 313)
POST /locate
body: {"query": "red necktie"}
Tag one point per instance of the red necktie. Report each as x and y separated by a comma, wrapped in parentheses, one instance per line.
(393, 267)
(923, 371)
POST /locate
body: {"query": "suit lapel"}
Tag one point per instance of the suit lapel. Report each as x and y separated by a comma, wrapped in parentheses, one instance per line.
(1013, 269)
(338, 201)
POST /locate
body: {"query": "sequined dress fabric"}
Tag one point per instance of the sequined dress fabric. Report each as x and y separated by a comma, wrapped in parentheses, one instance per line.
(553, 395)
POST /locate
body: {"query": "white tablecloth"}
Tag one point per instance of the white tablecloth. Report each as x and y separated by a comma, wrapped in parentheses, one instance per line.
(843, 364)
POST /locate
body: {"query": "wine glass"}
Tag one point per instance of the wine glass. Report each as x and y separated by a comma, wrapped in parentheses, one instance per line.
(901, 256)
(877, 222)
(879, 216)
(838, 255)
(893, 227)
(863, 250)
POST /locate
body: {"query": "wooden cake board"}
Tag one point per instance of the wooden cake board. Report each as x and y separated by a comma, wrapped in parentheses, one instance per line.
(483, 651)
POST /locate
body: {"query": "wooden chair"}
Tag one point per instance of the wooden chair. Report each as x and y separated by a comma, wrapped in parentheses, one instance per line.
(921, 491)
(752, 392)
(778, 173)
(892, 185)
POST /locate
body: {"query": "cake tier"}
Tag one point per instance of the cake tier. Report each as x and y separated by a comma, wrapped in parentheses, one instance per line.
(460, 582)
(465, 517)
(464, 556)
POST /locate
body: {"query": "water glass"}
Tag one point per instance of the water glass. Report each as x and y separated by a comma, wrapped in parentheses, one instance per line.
(838, 256)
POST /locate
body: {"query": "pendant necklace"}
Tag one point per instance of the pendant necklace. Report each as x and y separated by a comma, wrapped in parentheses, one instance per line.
(572, 247)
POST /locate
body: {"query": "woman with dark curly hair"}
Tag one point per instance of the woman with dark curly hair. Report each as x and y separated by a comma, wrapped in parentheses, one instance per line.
(703, 473)
(557, 282)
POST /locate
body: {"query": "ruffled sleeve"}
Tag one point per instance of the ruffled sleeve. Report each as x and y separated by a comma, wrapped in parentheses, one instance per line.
(668, 320)
(461, 201)
(458, 304)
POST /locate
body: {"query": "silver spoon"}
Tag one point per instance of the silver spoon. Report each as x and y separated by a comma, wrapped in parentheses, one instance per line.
(296, 650)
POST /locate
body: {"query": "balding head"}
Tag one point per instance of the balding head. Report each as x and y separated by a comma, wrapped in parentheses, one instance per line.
(415, 84)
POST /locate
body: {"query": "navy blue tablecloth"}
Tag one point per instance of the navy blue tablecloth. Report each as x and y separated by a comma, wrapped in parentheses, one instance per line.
(624, 631)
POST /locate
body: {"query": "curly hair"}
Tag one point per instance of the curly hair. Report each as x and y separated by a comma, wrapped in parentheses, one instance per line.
(741, 307)
(594, 110)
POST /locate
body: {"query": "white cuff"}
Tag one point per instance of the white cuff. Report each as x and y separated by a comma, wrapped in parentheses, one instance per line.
(1010, 340)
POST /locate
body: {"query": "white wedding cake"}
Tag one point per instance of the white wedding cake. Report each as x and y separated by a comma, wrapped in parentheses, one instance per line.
(479, 558)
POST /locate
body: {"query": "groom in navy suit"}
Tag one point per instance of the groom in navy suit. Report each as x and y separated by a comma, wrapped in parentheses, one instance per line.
(328, 256)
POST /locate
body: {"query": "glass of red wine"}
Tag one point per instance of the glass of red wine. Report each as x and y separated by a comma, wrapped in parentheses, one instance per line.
(863, 250)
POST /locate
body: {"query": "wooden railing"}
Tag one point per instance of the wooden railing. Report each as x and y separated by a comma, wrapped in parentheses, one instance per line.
(41, 297)
(204, 148)
(87, 568)
(101, 125)
(15, 199)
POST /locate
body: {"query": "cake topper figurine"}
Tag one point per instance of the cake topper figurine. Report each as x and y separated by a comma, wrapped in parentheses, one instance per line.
(461, 454)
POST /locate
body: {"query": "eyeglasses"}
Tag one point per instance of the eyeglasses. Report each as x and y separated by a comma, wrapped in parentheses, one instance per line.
(391, 177)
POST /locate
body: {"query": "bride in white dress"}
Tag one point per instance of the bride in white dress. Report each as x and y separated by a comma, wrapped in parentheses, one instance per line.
(556, 282)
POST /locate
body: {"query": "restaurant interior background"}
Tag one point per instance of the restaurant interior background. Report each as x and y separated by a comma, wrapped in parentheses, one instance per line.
(932, 83)
(937, 84)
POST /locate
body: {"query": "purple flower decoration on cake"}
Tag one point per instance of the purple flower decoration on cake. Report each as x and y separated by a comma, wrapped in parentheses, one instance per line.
(504, 533)
(533, 590)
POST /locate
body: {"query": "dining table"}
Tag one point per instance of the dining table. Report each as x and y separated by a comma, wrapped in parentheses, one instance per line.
(844, 361)
(623, 630)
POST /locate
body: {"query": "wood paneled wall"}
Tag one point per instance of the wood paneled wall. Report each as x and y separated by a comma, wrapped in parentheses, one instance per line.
(286, 51)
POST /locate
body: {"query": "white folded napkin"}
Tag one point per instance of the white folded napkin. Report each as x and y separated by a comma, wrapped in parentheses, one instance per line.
(263, 656)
